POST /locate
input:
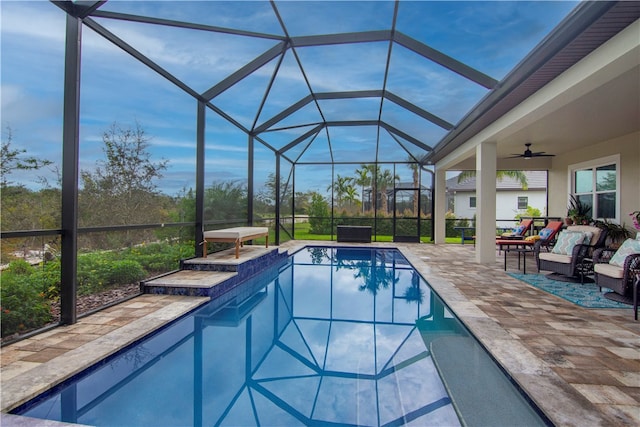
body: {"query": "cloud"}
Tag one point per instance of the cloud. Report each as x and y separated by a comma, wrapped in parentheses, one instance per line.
(34, 20)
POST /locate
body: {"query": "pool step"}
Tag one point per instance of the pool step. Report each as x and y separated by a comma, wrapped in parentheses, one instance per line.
(216, 274)
(190, 279)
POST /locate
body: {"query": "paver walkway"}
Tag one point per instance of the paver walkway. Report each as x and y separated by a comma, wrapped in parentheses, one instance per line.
(581, 366)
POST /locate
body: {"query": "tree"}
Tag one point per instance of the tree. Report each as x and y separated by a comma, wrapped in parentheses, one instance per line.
(13, 159)
(341, 187)
(267, 195)
(519, 176)
(386, 180)
(350, 196)
(363, 179)
(415, 173)
(226, 200)
(23, 208)
(319, 216)
(122, 189)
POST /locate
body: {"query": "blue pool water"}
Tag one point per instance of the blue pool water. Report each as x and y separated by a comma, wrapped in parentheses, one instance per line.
(335, 337)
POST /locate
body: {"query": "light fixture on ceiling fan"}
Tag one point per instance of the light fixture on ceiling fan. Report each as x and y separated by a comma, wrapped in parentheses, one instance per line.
(528, 154)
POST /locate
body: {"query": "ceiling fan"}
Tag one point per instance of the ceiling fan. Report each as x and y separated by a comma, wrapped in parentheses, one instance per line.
(528, 154)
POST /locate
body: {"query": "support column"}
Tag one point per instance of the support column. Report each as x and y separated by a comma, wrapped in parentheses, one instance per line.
(200, 127)
(486, 203)
(250, 183)
(277, 242)
(440, 211)
(70, 149)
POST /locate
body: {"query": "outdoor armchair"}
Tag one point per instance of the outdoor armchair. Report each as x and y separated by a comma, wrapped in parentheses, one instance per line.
(571, 247)
(617, 269)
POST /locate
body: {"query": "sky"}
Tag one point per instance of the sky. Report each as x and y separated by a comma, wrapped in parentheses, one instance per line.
(491, 37)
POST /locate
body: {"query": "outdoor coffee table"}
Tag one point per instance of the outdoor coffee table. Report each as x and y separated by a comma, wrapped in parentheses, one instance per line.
(520, 251)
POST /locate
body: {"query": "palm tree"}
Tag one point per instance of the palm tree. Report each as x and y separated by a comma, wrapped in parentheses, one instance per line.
(519, 176)
(386, 180)
(341, 186)
(416, 184)
(366, 176)
(363, 179)
(374, 171)
(350, 195)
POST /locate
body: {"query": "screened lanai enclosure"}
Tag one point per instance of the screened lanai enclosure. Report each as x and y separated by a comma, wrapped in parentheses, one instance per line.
(130, 127)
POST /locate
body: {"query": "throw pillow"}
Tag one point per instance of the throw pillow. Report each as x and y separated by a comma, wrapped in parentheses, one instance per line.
(519, 229)
(630, 246)
(532, 238)
(545, 233)
(567, 240)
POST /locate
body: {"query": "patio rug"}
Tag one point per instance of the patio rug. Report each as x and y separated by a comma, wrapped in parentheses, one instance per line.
(587, 295)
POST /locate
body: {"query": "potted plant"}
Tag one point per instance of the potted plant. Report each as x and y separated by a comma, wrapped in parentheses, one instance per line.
(616, 233)
(635, 217)
(578, 211)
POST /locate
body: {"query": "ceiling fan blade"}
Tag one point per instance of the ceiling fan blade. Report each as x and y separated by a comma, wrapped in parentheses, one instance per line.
(528, 154)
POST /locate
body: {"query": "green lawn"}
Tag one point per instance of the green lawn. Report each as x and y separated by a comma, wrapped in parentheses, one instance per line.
(302, 233)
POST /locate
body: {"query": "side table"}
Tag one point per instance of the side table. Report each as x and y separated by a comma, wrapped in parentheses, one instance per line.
(585, 268)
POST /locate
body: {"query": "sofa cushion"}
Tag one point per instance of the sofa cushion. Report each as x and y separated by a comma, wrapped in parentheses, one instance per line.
(587, 228)
(630, 246)
(609, 270)
(550, 256)
(567, 240)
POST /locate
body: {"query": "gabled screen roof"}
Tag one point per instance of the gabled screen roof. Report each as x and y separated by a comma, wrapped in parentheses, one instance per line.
(318, 82)
(384, 80)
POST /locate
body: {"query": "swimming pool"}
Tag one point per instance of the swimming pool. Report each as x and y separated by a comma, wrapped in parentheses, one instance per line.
(338, 336)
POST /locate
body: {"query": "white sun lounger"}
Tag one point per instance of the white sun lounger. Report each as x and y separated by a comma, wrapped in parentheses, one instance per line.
(237, 235)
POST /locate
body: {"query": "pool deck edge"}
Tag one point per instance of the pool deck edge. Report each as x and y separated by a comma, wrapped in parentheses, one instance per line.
(26, 380)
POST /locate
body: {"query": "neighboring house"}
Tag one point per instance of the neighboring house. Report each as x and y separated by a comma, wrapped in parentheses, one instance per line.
(511, 199)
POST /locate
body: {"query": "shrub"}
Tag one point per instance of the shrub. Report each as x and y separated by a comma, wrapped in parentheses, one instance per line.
(24, 305)
(319, 216)
(20, 266)
(160, 257)
(124, 272)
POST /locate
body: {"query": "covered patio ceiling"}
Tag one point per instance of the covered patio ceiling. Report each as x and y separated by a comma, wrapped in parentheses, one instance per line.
(378, 81)
(582, 109)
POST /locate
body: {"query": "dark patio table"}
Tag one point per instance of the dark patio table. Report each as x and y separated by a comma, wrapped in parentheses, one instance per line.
(520, 251)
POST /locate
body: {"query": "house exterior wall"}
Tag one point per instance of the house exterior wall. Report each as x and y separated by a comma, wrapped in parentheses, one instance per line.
(627, 148)
(506, 204)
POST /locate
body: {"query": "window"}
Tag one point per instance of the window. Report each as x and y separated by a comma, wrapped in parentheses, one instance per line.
(523, 202)
(597, 186)
(472, 201)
